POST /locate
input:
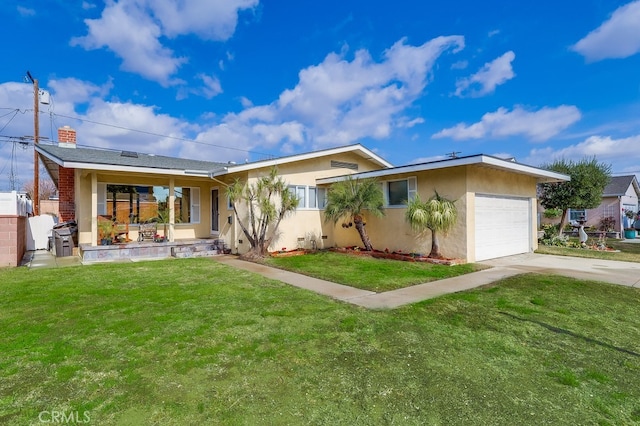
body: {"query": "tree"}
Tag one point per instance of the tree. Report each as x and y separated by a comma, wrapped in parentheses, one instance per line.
(46, 189)
(347, 199)
(583, 191)
(437, 214)
(267, 201)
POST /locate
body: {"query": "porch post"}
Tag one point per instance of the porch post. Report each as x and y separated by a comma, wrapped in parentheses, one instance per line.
(172, 213)
(94, 209)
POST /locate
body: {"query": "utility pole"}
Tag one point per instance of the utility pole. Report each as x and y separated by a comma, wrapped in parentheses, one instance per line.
(36, 136)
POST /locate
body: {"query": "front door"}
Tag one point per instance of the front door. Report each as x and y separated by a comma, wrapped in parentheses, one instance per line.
(215, 212)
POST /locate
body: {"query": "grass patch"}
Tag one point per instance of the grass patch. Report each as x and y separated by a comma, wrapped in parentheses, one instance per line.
(368, 273)
(193, 341)
(627, 252)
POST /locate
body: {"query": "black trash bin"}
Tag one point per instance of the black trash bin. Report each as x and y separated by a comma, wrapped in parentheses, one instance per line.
(64, 242)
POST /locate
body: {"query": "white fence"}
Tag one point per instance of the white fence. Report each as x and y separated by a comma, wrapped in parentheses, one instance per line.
(15, 204)
(39, 229)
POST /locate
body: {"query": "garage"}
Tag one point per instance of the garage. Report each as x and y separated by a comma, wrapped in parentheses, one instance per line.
(502, 226)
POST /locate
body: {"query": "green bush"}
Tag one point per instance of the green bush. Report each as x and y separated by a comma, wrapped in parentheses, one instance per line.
(549, 231)
(552, 213)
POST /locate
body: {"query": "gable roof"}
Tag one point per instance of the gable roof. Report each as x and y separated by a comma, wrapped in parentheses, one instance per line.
(480, 160)
(356, 149)
(619, 185)
(124, 161)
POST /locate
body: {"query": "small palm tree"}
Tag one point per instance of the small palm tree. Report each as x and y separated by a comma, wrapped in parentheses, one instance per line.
(267, 201)
(436, 214)
(348, 199)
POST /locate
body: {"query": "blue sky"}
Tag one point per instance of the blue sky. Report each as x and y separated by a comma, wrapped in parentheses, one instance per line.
(236, 80)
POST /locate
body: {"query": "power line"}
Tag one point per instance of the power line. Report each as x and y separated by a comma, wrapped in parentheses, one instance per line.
(10, 120)
(163, 136)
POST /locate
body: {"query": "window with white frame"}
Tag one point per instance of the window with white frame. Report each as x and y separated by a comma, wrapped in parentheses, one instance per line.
(577, 214)
(398, 192)
(309, 197)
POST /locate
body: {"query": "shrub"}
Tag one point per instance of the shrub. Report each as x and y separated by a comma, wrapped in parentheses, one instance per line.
(552, 213)
(607, 224)
(549, 231)
(556, 240)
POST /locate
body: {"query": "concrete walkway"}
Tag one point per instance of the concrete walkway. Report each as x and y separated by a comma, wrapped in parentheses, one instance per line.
(45, 259)
(615, 272)
(622, 273)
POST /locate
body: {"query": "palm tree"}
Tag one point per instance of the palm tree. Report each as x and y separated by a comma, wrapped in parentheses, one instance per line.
(347, 199)
(436, 214)
(267, 202)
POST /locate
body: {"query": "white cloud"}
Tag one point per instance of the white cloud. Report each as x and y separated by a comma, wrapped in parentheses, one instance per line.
(246, 102)
(617, 37)
(341, 101)
(74, 91)
(337, 102)
(25, 11)
(209, 19)
(604, 148)
(133, 30)
(491, 75)
(211, 87)
(288, 134)
(459, 65)
(127, 30)
(535, 125)
(407, 124)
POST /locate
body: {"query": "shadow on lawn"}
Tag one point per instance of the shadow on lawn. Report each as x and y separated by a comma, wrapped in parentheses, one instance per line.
(571, 333)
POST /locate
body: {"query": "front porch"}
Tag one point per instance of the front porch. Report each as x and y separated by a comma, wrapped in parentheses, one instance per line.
(197, 247)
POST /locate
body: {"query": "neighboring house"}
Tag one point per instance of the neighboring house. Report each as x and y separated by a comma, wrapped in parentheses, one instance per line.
(496, 198)
(622, 193)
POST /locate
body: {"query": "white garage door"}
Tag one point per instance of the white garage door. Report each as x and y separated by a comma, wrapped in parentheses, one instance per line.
(503, 226)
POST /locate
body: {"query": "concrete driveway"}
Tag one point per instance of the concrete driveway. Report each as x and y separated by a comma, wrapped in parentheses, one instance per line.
(610, 271)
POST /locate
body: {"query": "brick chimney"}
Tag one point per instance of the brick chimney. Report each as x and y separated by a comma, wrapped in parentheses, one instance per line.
(66, 177)
(66, 137)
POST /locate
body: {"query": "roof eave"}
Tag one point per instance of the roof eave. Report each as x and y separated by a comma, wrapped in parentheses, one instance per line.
(542, 176)
(364, 152)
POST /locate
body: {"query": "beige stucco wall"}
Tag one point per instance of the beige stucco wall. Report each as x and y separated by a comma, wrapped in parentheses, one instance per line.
(392, 231)
(305, 225)
(459, 184)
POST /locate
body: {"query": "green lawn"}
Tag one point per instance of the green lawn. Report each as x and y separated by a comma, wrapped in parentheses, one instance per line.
(367, 273)
(193, 341)
(626, 252)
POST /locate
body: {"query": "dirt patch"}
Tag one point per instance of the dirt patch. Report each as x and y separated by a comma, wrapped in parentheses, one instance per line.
(406, 257)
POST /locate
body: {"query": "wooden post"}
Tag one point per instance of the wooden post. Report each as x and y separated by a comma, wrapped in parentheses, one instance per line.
(36, 136)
